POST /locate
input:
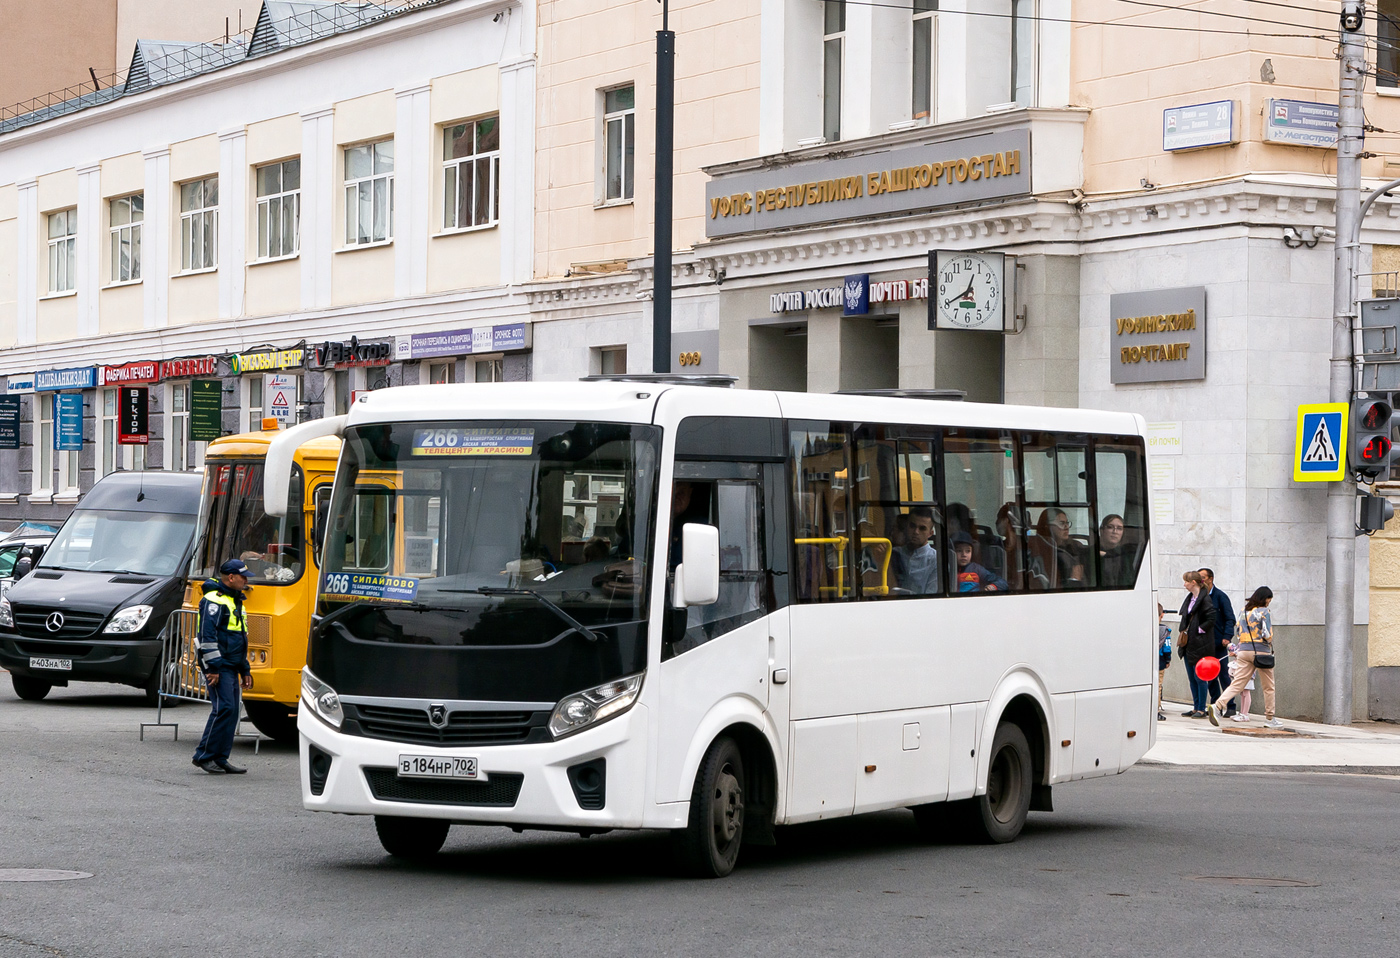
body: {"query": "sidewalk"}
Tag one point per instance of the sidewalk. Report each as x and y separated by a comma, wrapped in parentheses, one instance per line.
(1368, 746)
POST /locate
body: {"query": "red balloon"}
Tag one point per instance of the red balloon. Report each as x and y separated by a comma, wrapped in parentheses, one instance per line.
(1207, 669)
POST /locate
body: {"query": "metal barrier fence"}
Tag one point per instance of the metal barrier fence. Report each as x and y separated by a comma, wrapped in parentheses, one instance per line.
(181, 678)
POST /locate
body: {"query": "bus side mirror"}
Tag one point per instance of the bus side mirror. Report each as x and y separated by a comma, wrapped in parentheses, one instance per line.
(318, 525)
(697, 576)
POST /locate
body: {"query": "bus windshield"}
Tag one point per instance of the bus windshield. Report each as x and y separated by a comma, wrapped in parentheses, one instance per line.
(524, 541)
(233, 525)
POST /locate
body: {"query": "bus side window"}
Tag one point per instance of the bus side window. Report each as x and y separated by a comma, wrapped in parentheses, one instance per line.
(1121, 499)
(821, 530)
(321, 507)
(896, 513)
(985, 551)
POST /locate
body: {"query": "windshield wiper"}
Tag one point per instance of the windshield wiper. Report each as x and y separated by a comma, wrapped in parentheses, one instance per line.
(573, 623)
(358, 603)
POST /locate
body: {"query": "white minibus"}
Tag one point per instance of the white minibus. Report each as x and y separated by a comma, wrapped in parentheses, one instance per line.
(639, 603)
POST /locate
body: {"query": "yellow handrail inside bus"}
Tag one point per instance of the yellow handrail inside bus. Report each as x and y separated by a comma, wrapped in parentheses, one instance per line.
(840, 542)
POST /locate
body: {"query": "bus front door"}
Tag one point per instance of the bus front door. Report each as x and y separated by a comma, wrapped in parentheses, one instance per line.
(717, 658)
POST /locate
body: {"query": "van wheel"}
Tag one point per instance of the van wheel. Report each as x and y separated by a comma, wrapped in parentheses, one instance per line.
(29, 688)
(152, 688)
(413, 839)
(274, 720)
(709, 846)
(998, 815)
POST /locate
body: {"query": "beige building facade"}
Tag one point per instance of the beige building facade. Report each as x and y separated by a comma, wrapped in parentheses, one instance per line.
(1108, 162)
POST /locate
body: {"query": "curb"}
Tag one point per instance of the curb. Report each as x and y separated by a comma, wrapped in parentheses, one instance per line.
(1371, 770)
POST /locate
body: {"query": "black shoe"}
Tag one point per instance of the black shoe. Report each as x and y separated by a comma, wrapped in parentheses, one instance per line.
(1189, 713)
(1161, 716)
(211, 766)
(229, 767)
(1198, 715)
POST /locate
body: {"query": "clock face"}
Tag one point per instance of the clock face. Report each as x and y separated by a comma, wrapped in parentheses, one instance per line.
(969, 290)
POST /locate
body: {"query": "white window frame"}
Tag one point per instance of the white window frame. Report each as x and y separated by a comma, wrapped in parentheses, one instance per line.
(448, 372)
(924, 19)
(199, 224)
(833, 58)
(275, 202)
(378, 182)
(43, 444)
(63, 255)
(69, 473)
(252, 413)
(453, 176)
(492, 366)
(125, 214)
(1029, 10)
(181, 452)
(108, 451)
(618, 125)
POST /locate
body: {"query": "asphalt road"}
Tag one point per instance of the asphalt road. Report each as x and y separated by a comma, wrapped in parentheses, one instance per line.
(189, 864)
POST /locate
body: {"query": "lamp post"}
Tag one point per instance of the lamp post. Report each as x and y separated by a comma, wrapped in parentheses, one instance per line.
(661, 256)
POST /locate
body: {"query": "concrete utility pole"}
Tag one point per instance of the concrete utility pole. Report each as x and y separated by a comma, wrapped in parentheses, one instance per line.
(1341, 496)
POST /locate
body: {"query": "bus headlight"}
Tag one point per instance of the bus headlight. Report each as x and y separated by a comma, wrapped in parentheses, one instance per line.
(7, 617)
(594, 705)
(131, 619)
(321, 699)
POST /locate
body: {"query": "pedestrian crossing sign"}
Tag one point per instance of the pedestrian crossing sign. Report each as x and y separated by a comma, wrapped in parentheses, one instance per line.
(1320, 449)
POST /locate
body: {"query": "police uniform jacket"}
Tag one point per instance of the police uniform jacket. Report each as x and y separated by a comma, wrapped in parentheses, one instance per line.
(223, 630)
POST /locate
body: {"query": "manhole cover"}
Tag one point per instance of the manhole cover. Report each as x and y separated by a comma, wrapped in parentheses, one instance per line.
(1255, 882)
(40, 874)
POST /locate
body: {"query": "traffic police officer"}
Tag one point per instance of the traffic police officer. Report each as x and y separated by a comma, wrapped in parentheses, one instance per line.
(223, 655)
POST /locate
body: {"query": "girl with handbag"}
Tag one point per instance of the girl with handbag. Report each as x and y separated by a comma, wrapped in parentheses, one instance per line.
(1254, 633)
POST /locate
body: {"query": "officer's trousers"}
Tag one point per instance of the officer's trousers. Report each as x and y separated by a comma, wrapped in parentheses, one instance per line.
(224, 701)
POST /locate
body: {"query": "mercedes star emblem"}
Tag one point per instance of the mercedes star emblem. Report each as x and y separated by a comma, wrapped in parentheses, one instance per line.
(54, 622)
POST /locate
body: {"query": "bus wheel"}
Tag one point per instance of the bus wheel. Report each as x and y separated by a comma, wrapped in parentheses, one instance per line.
(29, 688)
(274, 720)
(413, 839)
(999, 815)
(709, 846)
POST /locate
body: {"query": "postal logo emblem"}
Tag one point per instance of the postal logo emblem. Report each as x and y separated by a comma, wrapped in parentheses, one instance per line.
(437, 715)
(54, 622)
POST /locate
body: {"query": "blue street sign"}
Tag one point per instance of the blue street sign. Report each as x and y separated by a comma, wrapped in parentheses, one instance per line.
(1320, 447)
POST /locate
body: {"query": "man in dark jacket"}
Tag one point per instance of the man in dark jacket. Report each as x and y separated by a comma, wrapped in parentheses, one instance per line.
(1224, 635)
(223, 656)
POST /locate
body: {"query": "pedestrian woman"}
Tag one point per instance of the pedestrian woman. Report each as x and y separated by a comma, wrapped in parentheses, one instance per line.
(1254, 633)
(1196, 639)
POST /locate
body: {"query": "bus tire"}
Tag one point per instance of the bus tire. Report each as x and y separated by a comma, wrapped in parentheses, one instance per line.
(29, 688)
(274, 720)
(412, 839)
(709, 846)
(998, 814)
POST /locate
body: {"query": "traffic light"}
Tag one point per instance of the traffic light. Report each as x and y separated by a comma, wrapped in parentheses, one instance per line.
(1375, 512)
(1370, 437)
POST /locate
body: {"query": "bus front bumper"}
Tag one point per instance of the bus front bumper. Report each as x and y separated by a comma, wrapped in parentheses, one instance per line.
(362, 778)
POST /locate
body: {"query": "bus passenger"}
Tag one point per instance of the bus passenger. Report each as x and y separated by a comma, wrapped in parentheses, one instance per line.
(971, 576)
(1062, 555)
(1114, 557)
(920, 558)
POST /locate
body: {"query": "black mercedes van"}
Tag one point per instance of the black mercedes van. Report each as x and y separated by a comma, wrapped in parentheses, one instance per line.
(93, 608)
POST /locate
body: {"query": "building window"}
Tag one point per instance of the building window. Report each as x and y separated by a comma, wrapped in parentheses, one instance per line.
(63, 270)
(471, 163)
(184, 452)
(1388, 43)
(107, 425)
(833, 50)
(439, 373)
(125, 216)
(254, 404)
(199, 224)
(43, 473)
(369, 193)
(619, 142)
(490, 370)
(1025, 15)
(279, 209)
(612, 360)
(68, 472)
(925, 58)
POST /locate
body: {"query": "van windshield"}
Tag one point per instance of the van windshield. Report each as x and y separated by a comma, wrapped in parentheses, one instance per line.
(141, 543)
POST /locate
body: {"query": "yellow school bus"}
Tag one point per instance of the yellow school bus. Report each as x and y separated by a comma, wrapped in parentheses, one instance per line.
(283, 559)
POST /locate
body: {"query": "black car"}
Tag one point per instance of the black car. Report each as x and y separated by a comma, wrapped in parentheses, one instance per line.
(94, 606)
